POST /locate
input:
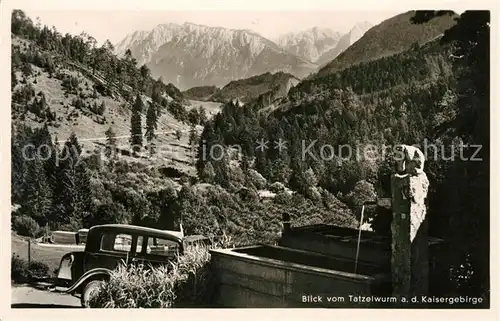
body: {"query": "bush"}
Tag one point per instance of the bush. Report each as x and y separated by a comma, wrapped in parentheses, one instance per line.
(363, 191)
(277, 187)
(23, 94)
(70, 83)
(183, 283)
(257, 179)
(248, 195)
(26, 226)
(18, 269)
(21, 271)
(102, 89)
(282, 198)
(38, 269)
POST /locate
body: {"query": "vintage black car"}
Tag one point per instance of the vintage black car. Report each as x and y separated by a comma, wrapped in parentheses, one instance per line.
(81, 273)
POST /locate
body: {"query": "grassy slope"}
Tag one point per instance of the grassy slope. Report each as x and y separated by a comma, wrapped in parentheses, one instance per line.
(176, 152)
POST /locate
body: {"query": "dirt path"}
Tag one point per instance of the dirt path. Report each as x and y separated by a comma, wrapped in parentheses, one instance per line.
(25, 296)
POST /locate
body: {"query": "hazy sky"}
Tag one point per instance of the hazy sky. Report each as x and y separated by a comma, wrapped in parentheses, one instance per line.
(115, 25)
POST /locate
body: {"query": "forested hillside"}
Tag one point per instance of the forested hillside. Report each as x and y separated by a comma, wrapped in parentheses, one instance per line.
(268, 85)
(394, 99)
(432, 94)
(391, 36)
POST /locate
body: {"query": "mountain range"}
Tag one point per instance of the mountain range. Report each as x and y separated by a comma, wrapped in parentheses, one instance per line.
(345, 42)
(310, 44)
(321, 45)
(190, 55)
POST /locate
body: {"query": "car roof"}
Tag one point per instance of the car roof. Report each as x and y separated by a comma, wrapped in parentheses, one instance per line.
(172, 235)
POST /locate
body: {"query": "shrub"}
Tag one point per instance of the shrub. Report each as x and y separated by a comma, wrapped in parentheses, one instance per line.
(21, 271)
(27, 69)
(26, 226)
(282, 198)
(277, 187)
(248, 195)
(103, 90)
(313, 194)
(70, 83)
(362, 191)
(23, 94)
(18, 269)
(257, 179)
(183, 283)
(38, 269)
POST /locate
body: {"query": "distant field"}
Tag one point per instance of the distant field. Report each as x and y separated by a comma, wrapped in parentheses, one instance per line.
(46, 254)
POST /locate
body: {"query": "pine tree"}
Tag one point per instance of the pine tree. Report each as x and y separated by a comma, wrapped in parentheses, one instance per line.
(145, 74)
(37, 193)
(19, 139)
(49, 152)
(65, 190)
(208, 174)
(110, 150)
(193, 136)
(151, 126)
(83, 196)
(136, 125)
(193, 141)
(203, 115)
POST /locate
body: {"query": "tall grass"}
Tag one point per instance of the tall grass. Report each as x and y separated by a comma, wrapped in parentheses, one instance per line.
(185, 282)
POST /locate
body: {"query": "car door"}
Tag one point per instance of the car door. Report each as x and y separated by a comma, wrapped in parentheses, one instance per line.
(113, 248)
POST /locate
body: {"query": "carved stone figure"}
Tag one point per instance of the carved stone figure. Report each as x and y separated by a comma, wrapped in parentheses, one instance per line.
(409, 160)
(409, 186)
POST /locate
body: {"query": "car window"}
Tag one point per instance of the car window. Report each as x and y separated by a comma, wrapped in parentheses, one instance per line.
(162, 247)
(123, 243)
(116, 242)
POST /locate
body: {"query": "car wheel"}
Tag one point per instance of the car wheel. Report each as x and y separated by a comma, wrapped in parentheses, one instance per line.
(88, 291)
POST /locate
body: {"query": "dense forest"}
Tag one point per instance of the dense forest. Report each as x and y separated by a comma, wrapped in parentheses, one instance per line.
(435, 93)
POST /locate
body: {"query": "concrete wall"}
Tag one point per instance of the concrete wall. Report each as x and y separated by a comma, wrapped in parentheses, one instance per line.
(247, 281)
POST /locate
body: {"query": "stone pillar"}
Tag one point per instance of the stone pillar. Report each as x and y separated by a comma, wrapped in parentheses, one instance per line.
(409, 261)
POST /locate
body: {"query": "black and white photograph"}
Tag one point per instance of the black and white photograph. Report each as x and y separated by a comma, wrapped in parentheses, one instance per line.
(209, 159)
